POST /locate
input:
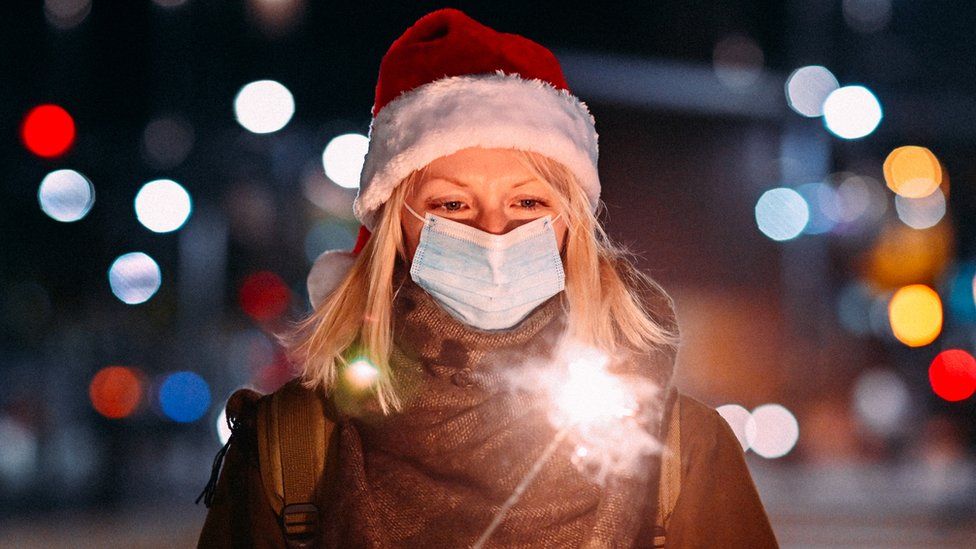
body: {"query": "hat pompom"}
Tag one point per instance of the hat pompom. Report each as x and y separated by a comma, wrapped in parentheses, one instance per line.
(327, 272)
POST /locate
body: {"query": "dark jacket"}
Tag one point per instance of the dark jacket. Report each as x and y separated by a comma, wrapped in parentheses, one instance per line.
(718, 505)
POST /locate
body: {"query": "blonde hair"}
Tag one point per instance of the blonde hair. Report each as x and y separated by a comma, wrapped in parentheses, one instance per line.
(604, 293)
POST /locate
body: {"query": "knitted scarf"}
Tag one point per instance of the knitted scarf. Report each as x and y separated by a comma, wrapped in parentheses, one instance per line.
(436, 473)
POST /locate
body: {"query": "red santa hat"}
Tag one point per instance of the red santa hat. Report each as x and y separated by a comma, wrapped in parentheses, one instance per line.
(450, 83)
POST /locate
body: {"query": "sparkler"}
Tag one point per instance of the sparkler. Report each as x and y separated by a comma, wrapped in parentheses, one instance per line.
(599, 411)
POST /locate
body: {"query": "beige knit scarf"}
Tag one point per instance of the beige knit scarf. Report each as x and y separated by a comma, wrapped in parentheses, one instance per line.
(435, 474)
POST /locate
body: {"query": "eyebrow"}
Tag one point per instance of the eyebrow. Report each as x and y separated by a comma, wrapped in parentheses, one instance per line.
(466, 185)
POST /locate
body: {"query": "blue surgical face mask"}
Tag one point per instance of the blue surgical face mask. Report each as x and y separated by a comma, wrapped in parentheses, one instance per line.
(488, 281)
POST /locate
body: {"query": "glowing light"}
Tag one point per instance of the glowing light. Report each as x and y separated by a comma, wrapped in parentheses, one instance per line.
(772, 431)
(361, 374)
(66, 195)
(343, 159)
(808, 87)
(275, 17)
(163, 205)
(223, 430)
(852, 112)
(738, 61)
(48, 131)
(169, 4)
(264, 296)
(737, 417)
(167, 141)
(116, 391)
(66, 14)
(961, 298)
(901, 255)
(782, 213)
(264, 106)
(881, 400)
(915, 314)
(867, 16)
(590, 395)
(912, 172)
(184, 397)
(18, 452)
(953, 375)
(134, 278)
(921, 213)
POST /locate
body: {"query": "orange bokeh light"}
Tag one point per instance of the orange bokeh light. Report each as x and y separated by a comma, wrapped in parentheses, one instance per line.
(912, 172)
(953, 375)
(48, 131)
(116, 391)
(915, 313)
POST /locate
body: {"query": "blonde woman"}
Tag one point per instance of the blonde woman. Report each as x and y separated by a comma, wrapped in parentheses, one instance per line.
(431, 406)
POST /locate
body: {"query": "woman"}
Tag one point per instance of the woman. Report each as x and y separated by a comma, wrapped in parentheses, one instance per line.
(424, 415)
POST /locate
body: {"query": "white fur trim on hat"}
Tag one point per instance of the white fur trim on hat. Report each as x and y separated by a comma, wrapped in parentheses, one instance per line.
(495, 110)
(327, 272)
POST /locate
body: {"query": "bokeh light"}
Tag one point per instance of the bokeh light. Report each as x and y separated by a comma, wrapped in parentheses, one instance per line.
(808, 87)
(116, 391)
(66, 195)
(166, 141)
(901, 255)
(953, 375)
(921, 213)
(782, 213)
(163, 205)
(169, 3)
(329, 235)
(772, 431)
(737, 417)
(852, 112)
(66, 14)
(361, 374)
(48, 131)
(738, 61)
(275, 17)
(867, 16)
(264, 296)
(961, 292)
(881, 401)
(860, 204)
(912, 172)
(343, 159)
(134, 277)
(264, 106)
(184, 396)
(223, 430)
(915, 314)
(18, 453)
(854, 307)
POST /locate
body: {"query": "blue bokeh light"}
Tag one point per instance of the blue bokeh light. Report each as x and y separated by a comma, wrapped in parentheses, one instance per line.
(184, 397)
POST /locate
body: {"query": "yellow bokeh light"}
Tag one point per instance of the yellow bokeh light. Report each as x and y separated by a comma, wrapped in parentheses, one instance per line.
(902, 255)
(912, 172)
(915, 313)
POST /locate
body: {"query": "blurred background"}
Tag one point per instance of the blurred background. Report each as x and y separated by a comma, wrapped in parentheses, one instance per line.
(799, 175)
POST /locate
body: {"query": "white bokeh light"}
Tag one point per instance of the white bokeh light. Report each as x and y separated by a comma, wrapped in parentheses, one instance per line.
(223, 431)
(361, 373)
(163, 205)
(772, 431)
(66, 14)
(808, 87)
(881, 400)
(343, 159)
(18, 453)
(134, 277)
(737, 417)
(921, 213)
(782, 213)
(66, 195)
(852, 112)
(264, 106)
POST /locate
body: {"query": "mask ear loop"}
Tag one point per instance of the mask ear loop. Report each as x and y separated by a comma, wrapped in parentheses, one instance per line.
(415, 214)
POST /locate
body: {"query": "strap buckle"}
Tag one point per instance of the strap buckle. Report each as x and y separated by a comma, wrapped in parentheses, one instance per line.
(300, 522)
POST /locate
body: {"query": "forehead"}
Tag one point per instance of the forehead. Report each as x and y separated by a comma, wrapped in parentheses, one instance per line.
(479, 166)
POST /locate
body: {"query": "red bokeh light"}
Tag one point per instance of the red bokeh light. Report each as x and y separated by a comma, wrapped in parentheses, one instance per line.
(116, 391)
(953, 375)
(48, 131)
(264, 296)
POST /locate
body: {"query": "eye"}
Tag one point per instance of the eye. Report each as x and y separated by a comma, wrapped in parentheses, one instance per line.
(530, 203)
(452, 205)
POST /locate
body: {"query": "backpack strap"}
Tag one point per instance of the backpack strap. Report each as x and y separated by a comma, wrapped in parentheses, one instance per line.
(293, 436)
(670, 484)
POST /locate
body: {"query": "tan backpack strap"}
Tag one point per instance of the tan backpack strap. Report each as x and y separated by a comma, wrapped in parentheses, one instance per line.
(670, 484)
(293, 437)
